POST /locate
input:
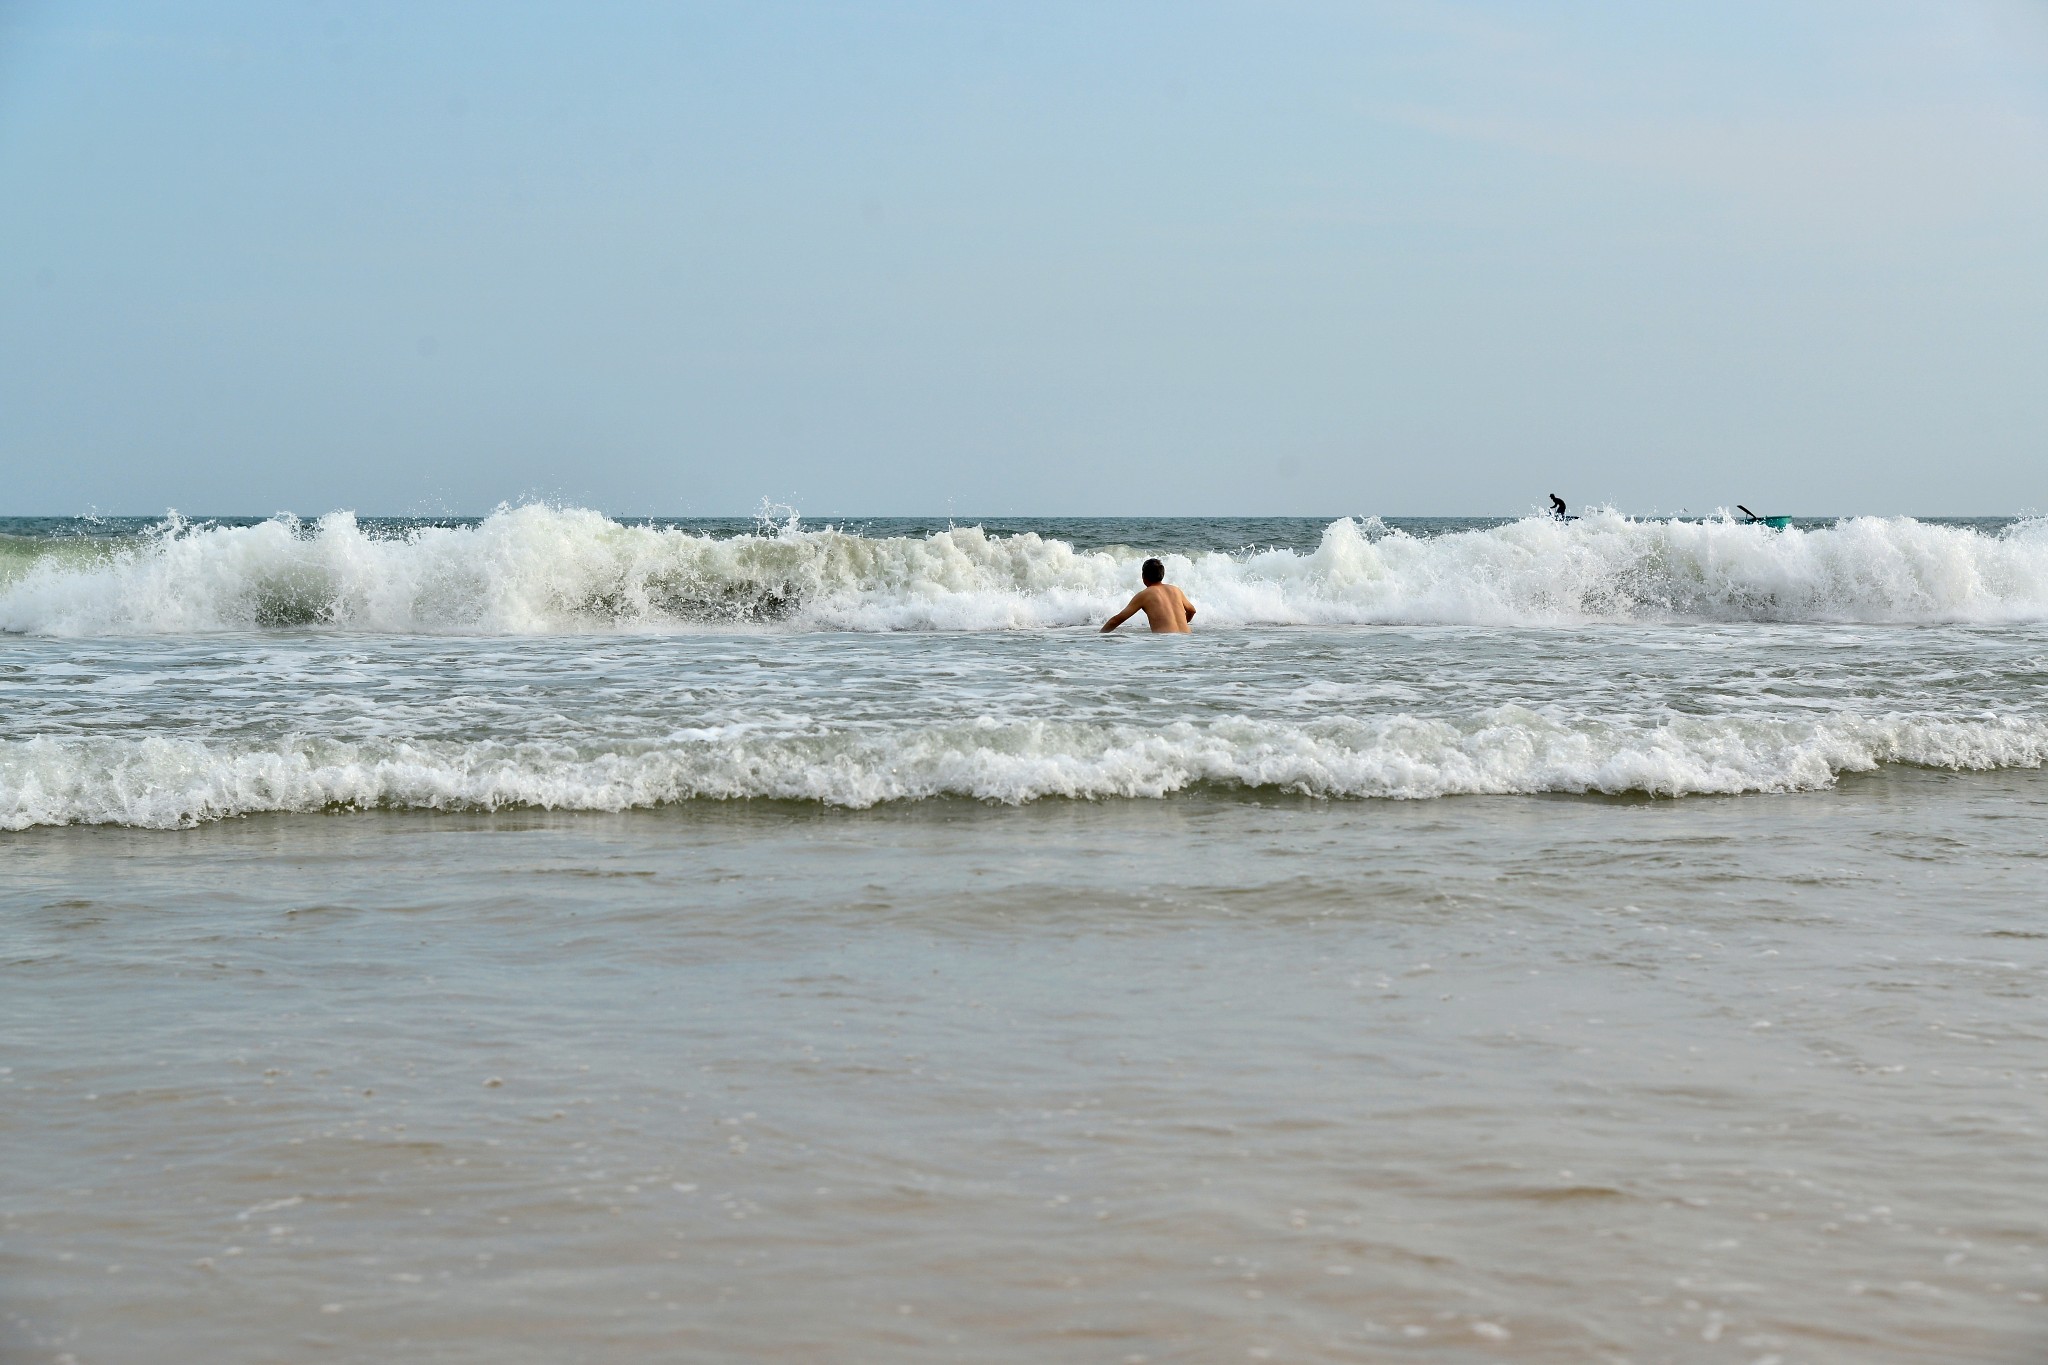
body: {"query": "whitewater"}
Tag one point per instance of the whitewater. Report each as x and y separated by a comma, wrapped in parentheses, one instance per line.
(539, 569)
(172, 673)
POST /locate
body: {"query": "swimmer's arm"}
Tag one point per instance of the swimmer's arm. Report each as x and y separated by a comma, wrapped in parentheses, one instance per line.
(1130, 610)
(1186, 602)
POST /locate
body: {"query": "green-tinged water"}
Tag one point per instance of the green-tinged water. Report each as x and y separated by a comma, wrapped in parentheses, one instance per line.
(1212, 1078)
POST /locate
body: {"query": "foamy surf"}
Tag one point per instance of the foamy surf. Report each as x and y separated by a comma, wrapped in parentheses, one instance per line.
(165, 782)
(538, 569)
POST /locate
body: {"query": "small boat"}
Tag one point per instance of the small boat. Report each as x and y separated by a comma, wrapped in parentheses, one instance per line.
(1775, 523)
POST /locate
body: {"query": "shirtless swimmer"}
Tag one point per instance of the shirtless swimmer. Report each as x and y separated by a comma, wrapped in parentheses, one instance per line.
(1164, 605)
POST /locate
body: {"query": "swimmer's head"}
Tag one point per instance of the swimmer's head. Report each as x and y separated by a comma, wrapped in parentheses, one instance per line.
(1153, 572)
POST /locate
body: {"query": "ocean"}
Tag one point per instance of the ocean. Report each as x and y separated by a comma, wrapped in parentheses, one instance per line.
(545, 937)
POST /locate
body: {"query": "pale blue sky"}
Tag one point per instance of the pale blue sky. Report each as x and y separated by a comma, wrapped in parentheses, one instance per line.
(1172, 258)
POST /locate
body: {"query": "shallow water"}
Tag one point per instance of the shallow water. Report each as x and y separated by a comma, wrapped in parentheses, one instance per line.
(1197, 1079)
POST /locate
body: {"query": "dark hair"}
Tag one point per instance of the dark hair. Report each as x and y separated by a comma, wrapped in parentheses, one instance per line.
(1153, 572)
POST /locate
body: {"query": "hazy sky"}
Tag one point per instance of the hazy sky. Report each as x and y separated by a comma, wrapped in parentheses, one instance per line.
(1033, 258)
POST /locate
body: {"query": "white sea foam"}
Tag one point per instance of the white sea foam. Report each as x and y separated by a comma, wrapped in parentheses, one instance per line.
(537, 569)
(163, 782)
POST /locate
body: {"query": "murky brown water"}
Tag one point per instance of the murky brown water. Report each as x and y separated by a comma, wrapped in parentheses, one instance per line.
(1515, 1078)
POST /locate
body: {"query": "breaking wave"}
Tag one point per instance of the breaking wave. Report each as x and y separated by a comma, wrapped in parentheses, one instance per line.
(164, 782)
(541, 569)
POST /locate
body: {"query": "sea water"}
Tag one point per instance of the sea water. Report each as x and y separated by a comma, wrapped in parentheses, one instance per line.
(541, 937)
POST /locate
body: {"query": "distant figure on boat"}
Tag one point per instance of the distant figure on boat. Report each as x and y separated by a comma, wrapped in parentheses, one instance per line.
(1166, 607)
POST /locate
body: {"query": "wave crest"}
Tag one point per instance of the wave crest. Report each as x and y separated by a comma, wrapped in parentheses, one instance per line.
(161, 782)
(541, 569)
